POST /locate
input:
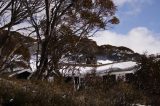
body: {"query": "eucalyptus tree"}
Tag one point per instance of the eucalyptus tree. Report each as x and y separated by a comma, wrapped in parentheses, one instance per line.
(57, 24)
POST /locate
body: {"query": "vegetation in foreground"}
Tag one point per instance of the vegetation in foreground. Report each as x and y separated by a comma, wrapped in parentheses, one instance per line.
(35, 93)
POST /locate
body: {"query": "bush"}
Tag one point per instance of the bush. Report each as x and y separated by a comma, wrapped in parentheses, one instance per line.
(147, 78)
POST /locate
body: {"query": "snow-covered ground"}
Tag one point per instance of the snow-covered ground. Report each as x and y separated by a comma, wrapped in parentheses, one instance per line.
(104, 61)
(121, 65)
(101, 69)
(106, 66)
(33, 63)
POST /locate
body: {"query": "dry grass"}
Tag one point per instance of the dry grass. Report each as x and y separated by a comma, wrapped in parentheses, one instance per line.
(38, 93)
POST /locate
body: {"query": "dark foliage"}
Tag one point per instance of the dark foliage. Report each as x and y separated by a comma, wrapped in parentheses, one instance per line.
(147, 78)
(38, 93)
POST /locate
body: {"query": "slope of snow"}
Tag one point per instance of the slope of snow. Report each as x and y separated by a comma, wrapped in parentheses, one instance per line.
(105, 67)
(104, 61)
(121, 65)
(79, 70)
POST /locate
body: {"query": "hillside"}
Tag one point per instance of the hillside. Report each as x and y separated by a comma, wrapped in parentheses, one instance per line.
(88, 48)
(14, 50)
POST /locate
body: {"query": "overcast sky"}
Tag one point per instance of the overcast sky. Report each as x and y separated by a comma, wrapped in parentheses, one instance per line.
(139, 27)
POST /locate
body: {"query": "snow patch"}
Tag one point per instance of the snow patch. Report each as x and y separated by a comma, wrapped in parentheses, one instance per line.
(104, 61)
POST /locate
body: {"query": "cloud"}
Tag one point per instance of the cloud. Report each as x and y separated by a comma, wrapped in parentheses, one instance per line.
(120, 2)
(134, 6)
(139, 39)
(131, 2)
